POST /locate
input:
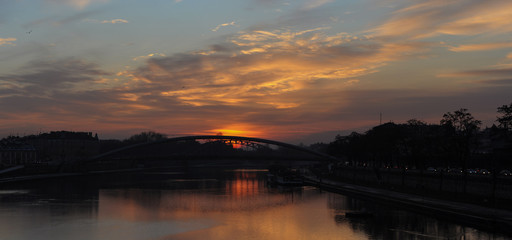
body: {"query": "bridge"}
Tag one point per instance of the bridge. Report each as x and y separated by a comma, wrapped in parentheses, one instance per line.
(226, 139)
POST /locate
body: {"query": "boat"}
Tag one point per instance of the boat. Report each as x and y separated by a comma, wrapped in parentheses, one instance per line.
(280, 175)
(284, 180)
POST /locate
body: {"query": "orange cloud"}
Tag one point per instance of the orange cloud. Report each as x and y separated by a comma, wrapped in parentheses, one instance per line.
(293, 76)
(223, 25)
(272, 69)
(456, 17)
(148, 56)
(480, 72)
(7, 41)
(481, 47)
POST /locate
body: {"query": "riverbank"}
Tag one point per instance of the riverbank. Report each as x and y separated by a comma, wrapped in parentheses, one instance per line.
(490, 219)
(197, 164)
(65, 175)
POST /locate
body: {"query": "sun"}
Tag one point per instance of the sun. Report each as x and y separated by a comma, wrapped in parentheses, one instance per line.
(237, 130)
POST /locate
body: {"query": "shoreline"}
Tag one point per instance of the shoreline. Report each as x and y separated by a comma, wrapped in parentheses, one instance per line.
(64, 175)
(490, 219)
(25, 178)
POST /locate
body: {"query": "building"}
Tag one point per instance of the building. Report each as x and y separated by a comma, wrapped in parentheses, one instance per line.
(15, 151)
(65, 146)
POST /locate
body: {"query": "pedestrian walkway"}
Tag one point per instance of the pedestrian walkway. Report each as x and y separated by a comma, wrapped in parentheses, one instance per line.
(485, 217)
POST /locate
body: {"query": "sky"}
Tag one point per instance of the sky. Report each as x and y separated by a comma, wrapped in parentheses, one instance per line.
(277, 69)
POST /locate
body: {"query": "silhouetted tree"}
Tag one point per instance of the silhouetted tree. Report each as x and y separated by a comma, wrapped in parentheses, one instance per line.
(145, 137)
(506, 119)
(415, 122)
(351, 148)
(414, 143)
(462, 122)
(385, 144)
(464, 128)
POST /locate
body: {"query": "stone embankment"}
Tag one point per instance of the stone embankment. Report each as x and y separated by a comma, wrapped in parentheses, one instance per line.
(481, 217)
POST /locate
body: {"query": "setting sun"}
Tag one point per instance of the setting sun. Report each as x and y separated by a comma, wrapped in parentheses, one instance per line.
(237, 130)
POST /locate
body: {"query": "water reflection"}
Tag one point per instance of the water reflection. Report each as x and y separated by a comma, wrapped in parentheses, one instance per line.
(205, 205)
(245, 192)
(242, 206)
(244, 184)
(389, 222)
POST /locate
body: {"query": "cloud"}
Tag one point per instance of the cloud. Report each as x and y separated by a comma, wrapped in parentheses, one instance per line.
(507, 81)
(54, 20)
(456, 17)
(480, 72)
(55, 94)
(44, 77)
(480, 47)
(79, 4)
(315, 4)
(299, 82)
(267, 69)
(7, 41)
(114, 21)
(215, 29)
(148, 56)
(272, 3)
(266, 79)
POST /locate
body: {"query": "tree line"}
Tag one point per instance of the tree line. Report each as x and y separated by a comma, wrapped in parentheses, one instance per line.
(456, 142)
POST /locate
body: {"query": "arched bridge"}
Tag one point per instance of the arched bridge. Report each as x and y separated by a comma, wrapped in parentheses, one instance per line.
(321, 156)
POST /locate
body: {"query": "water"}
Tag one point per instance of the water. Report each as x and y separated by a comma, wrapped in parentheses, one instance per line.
(204, 204)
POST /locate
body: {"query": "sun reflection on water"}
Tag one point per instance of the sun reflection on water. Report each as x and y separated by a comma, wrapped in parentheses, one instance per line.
(240, 206)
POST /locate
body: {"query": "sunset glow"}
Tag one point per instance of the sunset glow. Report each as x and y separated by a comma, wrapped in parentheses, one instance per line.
(239, 130)
(273, 69)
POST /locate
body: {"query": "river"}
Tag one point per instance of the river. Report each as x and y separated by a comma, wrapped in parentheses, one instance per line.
(204, 204)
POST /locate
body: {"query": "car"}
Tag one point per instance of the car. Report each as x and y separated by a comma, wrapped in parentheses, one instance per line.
(431, 169)
(454, 170)
(484, 171)
(505, 173)
(471, 171)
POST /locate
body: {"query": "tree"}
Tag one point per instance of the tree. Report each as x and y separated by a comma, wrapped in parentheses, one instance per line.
(465, 128)
(462, 122)
(506, 119)
(145, 137)
(415, 142)
(415, 122)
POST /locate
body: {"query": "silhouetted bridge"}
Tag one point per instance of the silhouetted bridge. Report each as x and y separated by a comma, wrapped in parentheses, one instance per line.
(144, 149)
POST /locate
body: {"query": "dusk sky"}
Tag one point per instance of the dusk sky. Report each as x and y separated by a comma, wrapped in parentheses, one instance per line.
(264, 68)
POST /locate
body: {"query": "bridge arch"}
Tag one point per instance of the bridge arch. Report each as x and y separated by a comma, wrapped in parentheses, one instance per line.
(215, 137)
